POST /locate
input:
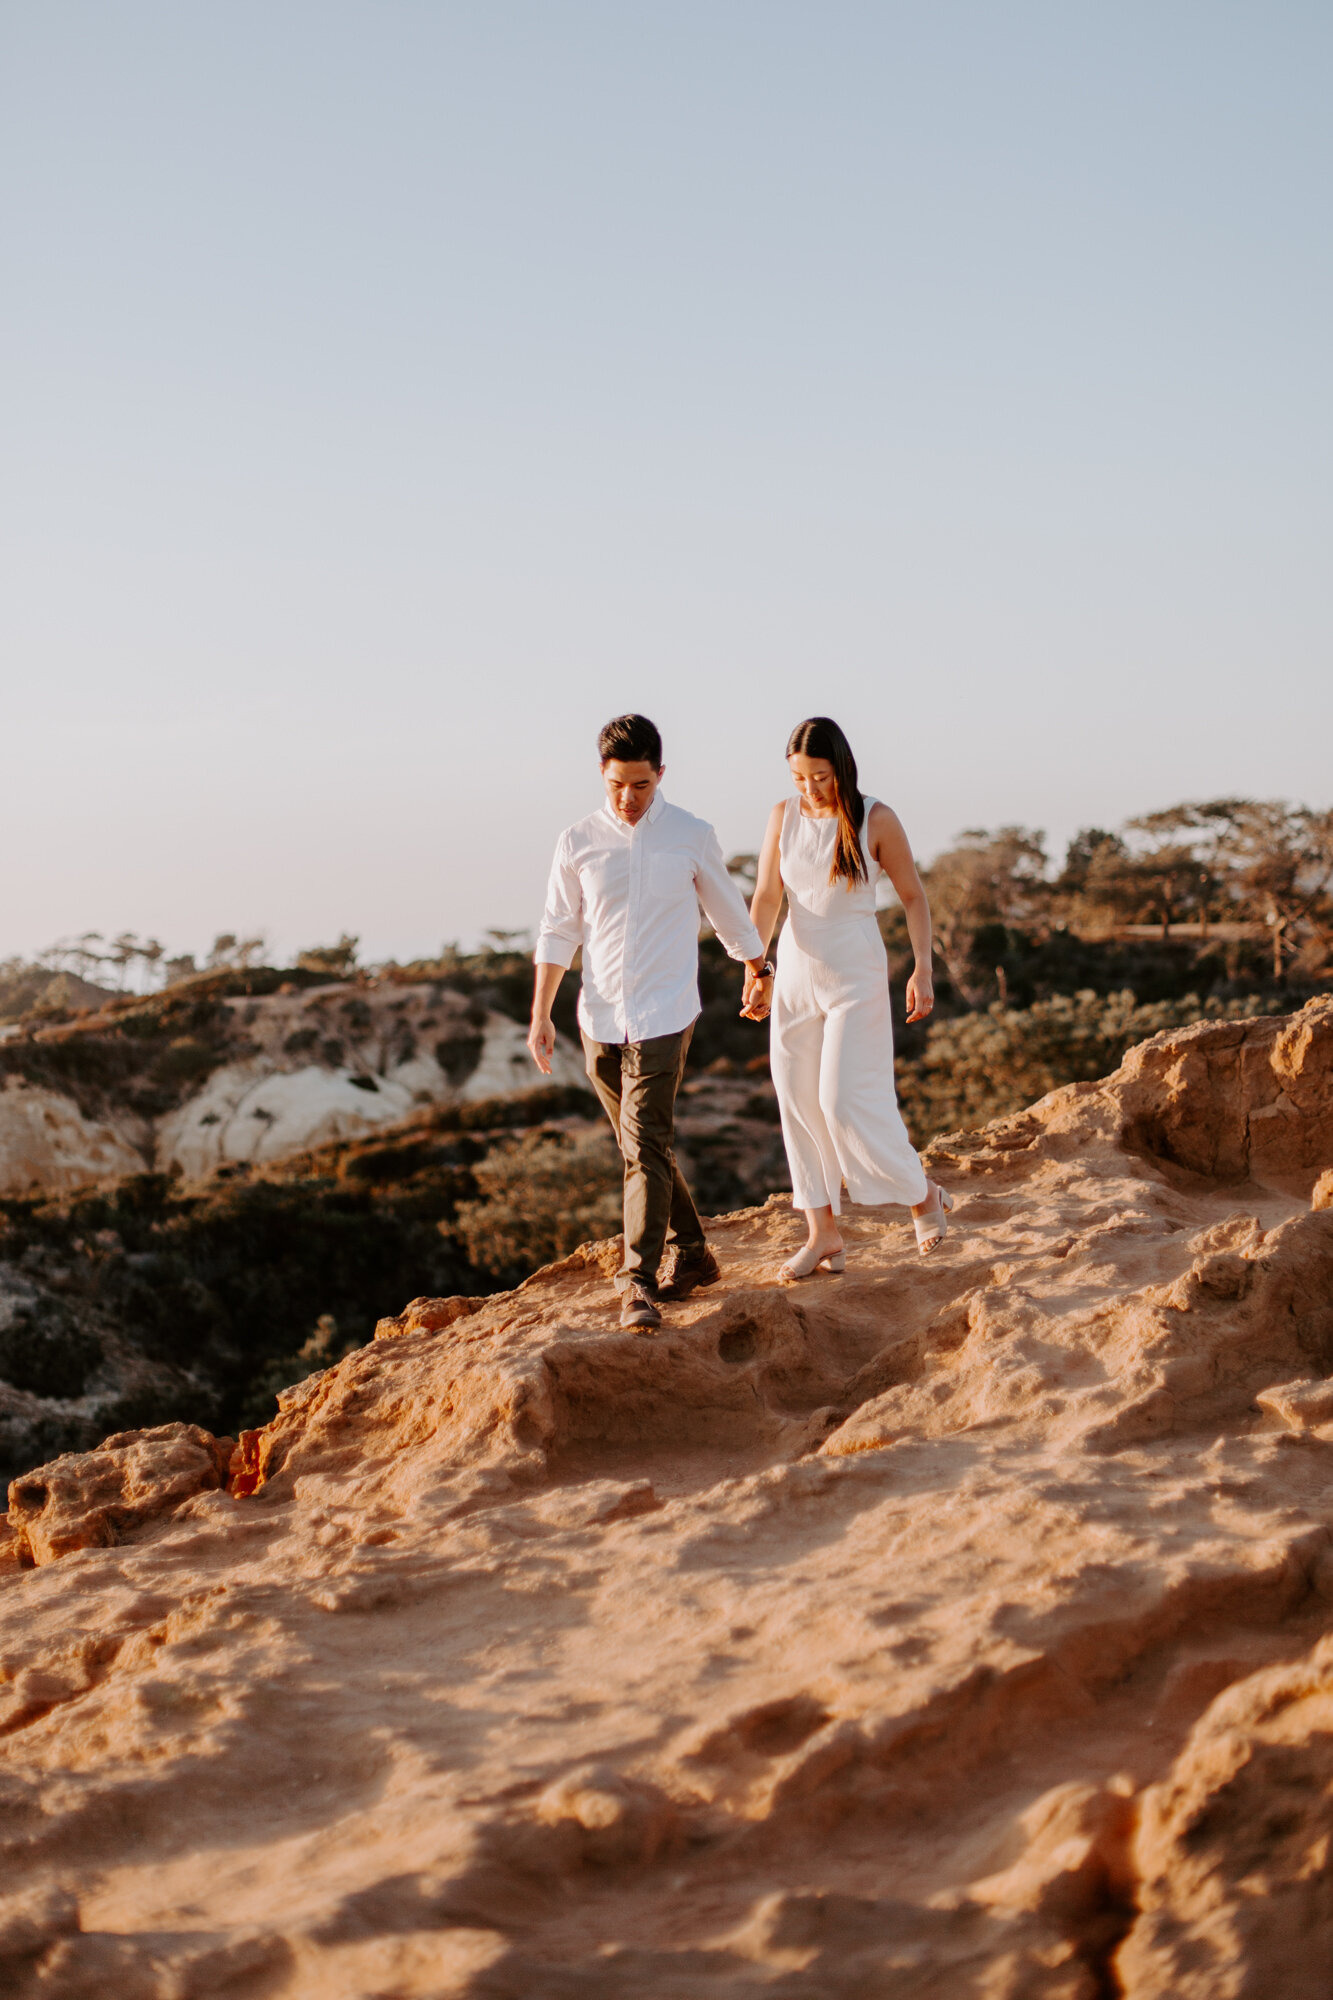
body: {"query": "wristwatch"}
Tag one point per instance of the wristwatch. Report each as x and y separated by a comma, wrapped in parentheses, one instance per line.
(766, 970)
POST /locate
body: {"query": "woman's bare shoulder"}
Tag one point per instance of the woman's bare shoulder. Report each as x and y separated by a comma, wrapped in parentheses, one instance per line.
(773, 831)
(884, 818)
(887, 835)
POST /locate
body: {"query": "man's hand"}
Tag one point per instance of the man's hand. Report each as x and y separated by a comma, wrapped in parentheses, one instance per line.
(541, 1035)
(541, 1042)
(920, 994)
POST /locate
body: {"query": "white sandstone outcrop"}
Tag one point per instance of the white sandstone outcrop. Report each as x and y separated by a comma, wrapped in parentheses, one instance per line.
(255, 1111)
(46, 1141)
(295, 1070)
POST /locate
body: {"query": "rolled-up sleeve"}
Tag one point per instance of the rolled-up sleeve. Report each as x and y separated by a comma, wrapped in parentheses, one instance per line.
(723, 903)
(561, 932)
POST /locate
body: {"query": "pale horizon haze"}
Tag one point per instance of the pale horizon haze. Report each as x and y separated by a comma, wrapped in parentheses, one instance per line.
(390, 393)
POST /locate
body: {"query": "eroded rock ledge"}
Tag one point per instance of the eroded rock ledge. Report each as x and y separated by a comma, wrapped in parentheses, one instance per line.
(962, 1626)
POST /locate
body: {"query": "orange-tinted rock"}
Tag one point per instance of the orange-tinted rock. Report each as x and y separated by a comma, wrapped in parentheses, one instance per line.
(245, 1472)
(1234, 1846)
(88, 1500)
(926, 1631)
(427, 1316)
(1227, 1099)
(9, 1548)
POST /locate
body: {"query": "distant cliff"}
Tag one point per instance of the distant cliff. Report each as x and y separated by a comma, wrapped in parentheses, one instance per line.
(193, 1079)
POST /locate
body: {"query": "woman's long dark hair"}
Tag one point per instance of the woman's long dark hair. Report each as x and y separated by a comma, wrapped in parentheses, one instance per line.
(818, 736)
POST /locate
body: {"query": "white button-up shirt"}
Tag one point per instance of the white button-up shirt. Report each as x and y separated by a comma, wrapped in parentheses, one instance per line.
(630, 896)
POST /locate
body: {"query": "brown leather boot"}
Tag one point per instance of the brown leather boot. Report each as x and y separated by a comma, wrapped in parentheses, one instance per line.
(638, 1307)
(686, 1270)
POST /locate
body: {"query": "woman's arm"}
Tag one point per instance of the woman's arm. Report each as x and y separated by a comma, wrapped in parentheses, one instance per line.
(764, 907)
(767, 899)
(888, 844)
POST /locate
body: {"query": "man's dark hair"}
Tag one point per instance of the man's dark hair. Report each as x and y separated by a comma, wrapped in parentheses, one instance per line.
(630, 739)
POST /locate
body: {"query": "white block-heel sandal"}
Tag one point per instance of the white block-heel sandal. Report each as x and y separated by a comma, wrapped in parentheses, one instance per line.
(932, 1228)
(805, 1263)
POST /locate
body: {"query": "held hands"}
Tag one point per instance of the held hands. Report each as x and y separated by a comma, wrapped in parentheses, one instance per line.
(920, 994)
(757, 1000)
(541, 1042)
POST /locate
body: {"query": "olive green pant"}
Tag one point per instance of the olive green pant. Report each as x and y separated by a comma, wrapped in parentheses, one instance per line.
(637, 1084)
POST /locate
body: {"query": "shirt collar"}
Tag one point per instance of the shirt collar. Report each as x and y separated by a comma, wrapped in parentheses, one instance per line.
(653, 813)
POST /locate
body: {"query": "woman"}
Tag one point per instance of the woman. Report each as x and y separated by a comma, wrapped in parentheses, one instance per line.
(832, 1050)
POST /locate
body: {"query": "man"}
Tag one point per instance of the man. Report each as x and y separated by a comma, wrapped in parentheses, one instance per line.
(626, 884)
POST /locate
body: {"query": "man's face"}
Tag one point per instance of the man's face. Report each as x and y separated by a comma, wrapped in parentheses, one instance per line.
(630, 788)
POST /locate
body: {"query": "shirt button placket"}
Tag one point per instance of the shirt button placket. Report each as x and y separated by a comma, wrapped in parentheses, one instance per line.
(632, 932)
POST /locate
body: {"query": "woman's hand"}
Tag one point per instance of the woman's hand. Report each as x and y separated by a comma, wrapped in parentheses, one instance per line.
(888, 844)
(757, 999)
(920, 994)
(757, 1002)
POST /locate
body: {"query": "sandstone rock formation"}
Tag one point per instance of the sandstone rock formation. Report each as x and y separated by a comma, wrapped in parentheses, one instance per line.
(48, 1141)
(282, 1073)
(384, 1051)
(90, 1500)
(958, 1627)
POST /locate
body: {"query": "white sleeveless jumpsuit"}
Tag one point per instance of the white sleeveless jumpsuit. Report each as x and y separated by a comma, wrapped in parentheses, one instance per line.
(832, 1037)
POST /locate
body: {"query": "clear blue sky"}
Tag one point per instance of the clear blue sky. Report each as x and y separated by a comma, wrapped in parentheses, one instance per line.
(390, 391)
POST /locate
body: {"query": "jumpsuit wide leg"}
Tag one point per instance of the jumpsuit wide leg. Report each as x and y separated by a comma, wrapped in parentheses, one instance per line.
(832, 1034)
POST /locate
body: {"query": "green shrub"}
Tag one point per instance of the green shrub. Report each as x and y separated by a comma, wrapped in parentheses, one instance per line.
(42, 1351)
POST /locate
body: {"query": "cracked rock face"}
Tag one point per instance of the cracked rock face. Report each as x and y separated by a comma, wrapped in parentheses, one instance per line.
(957, 1627)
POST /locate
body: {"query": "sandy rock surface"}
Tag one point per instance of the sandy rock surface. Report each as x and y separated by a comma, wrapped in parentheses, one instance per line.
(957, 1627)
